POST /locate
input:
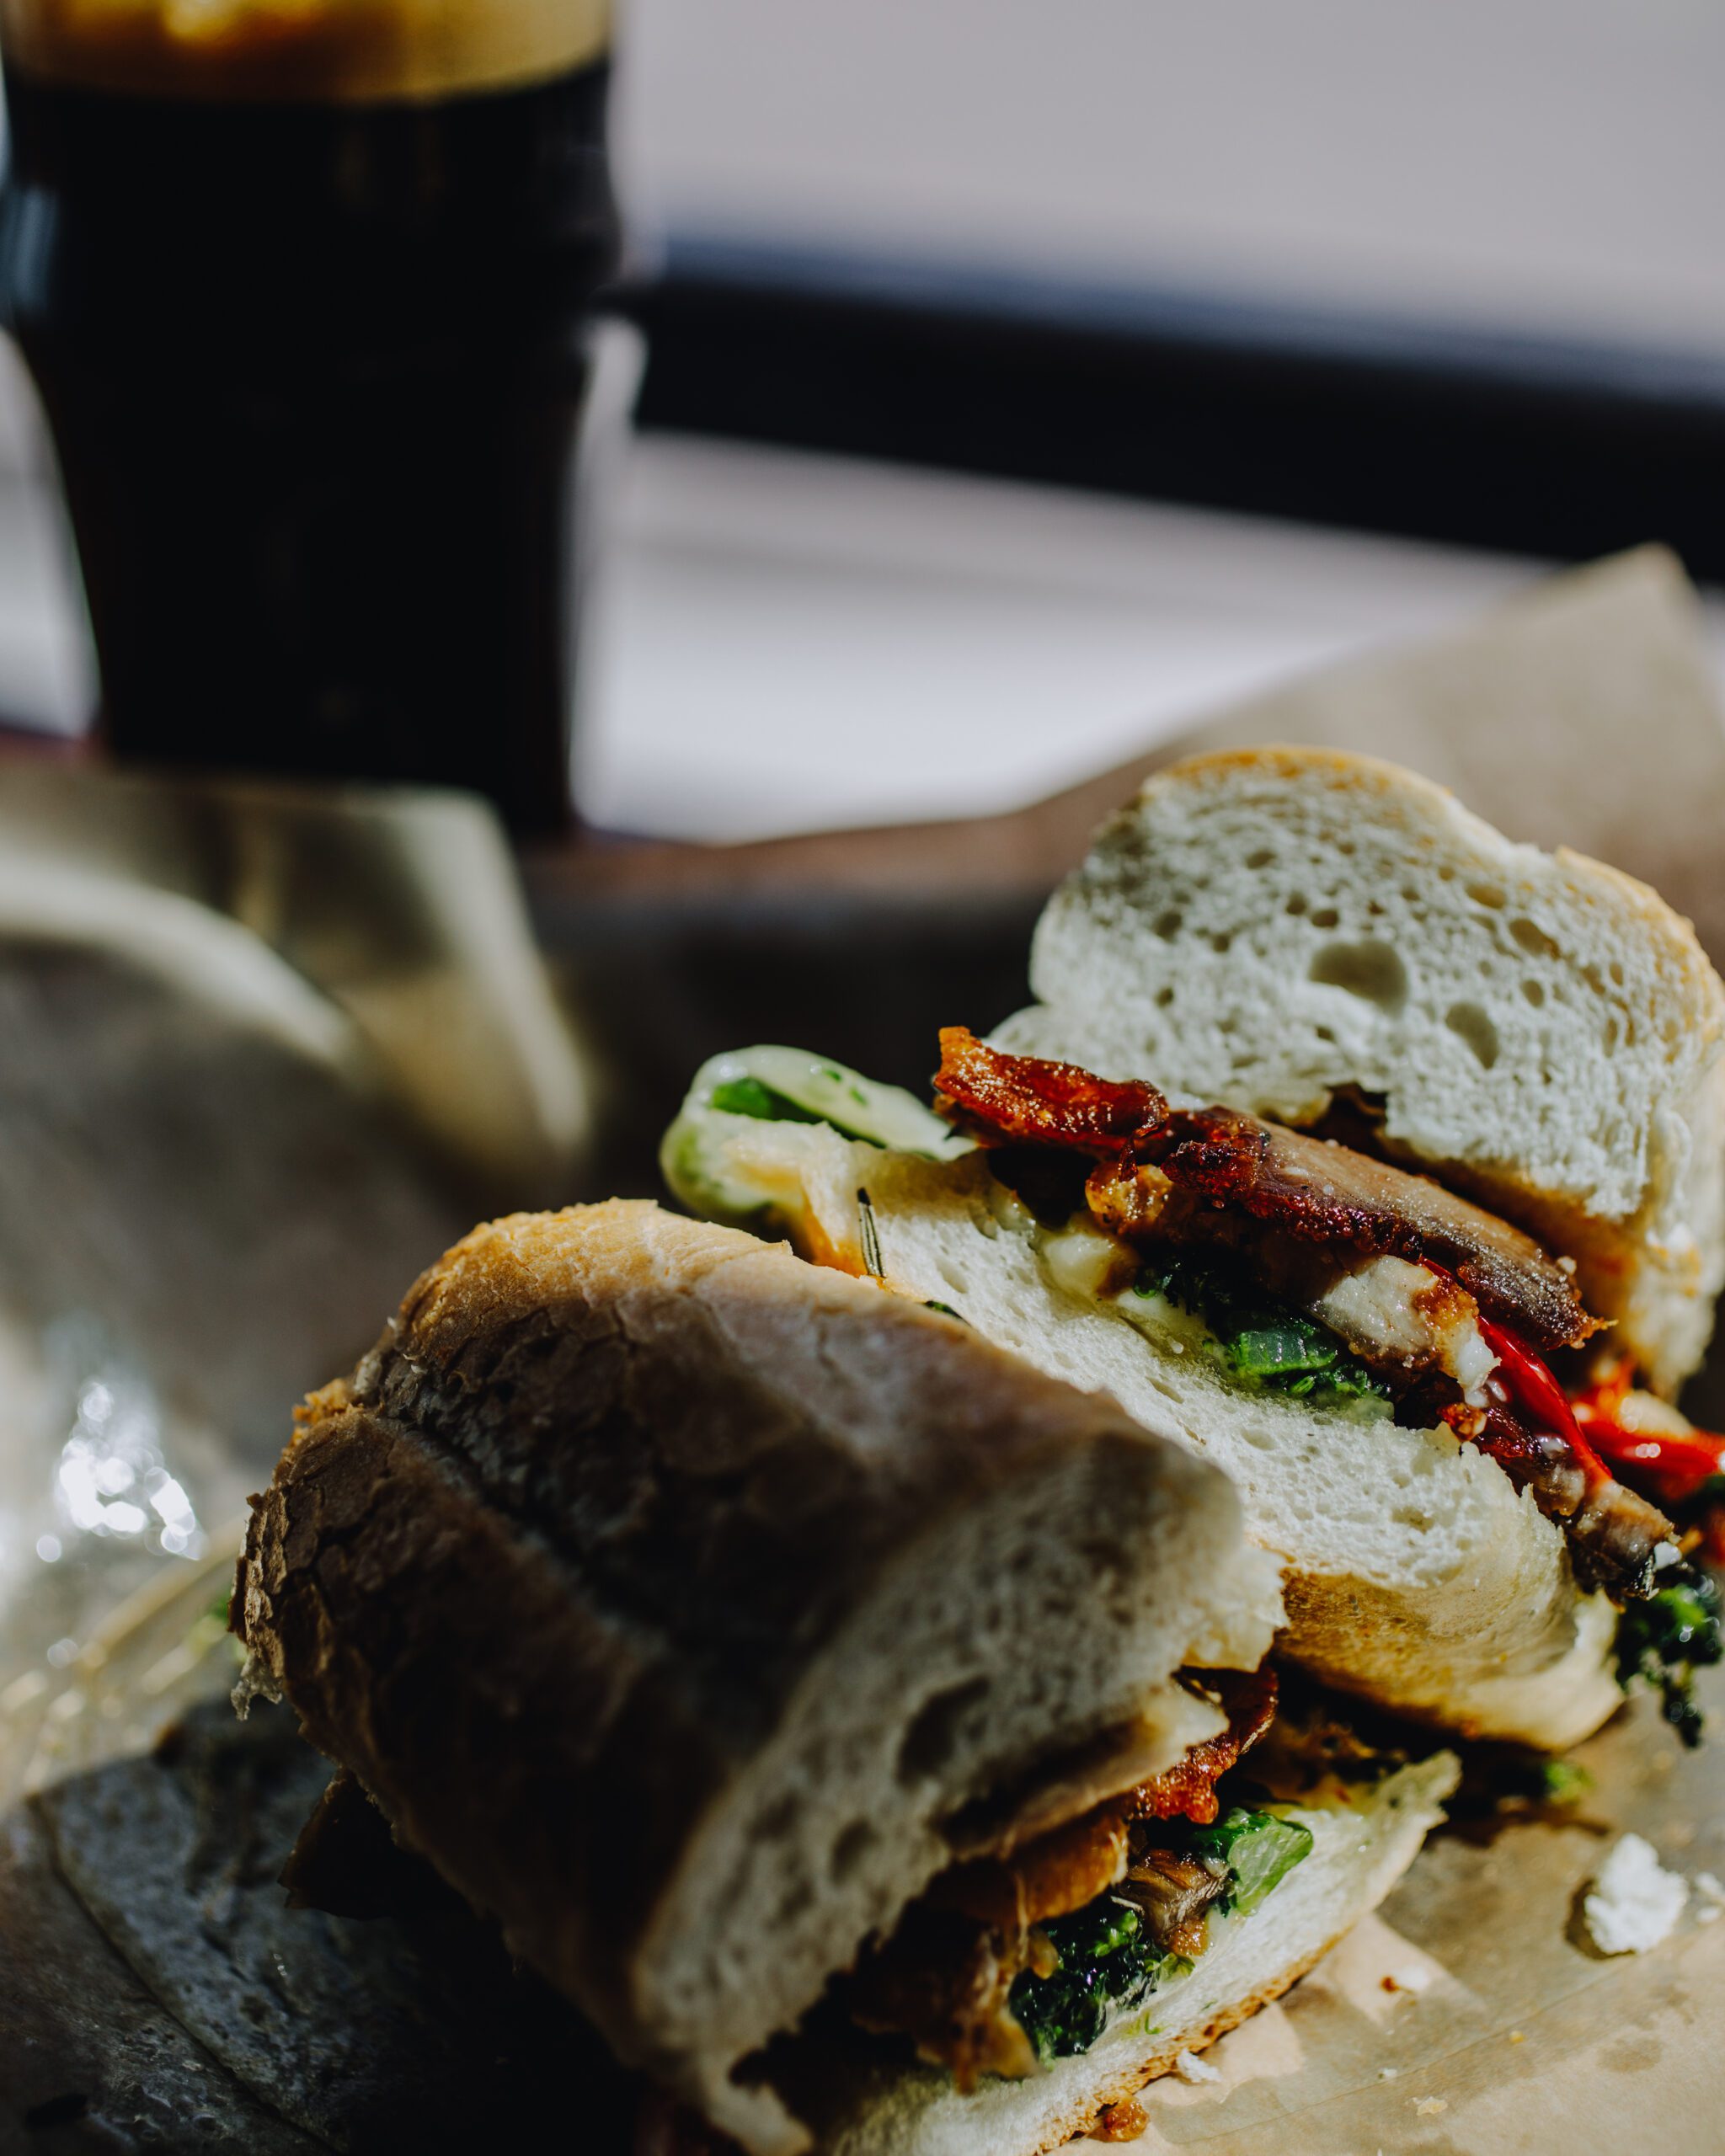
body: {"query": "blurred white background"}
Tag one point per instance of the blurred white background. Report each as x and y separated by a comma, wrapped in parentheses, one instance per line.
(787, 641)
(1540, 166)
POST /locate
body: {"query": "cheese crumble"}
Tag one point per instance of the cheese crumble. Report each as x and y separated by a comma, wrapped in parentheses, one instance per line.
(1634, 1902)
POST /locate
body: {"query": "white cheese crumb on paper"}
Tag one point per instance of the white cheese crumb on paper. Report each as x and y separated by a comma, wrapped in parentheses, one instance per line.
(1190, 2068)
(1713, 1897)
(1634, 1902)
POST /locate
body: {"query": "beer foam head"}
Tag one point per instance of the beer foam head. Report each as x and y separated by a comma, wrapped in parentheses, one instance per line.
(346, 51)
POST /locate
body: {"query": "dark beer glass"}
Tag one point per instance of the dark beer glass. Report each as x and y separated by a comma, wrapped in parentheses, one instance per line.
(307, 291)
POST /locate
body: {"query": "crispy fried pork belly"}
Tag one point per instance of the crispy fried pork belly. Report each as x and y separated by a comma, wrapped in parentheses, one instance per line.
(1400, 1317)
(945, 1980)
(1188, 1788)
(1220, 1161)
(1611, 1531)
(1450, 1305)
(1323, 1193)
(1613, 1537)
(1404, 1320)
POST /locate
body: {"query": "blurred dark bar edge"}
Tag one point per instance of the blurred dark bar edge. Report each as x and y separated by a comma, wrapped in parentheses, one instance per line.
(1515, 444)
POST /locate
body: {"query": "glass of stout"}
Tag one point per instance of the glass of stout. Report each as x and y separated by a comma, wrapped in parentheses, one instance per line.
(307, 287)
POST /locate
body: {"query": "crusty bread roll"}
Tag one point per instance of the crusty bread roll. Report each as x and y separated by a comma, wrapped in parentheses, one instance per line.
(1418, 1574)
(670, 1595)
(1261, 927)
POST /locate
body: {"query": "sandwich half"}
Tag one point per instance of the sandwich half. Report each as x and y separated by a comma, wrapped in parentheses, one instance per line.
(1290, 930)
(1378, 1158)
(863, 1729)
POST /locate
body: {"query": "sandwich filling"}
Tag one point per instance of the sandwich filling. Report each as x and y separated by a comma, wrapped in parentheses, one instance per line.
(1296, 1264)
(1309, 1263)
(1027, 1954)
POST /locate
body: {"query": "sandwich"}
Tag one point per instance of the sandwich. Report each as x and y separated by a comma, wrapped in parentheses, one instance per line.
(1378, 1160)
(865, 1730)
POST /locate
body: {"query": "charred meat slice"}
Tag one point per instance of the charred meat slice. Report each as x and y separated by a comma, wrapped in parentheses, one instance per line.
(1212, 1170)
(944, 1981)
(1025, 1100)
(1173, 1891)
(1189, 1790)
(1612, 1539)
(1432, 1293)
(1321, 1192)
(1612, 1533)
(1070, 1865)
(1056, 1872)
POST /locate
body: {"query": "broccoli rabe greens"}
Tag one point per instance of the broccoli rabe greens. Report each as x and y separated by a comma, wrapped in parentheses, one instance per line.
(1260, 1849)
(1666, 1638)
(1108, 1960)
(1259, 1339)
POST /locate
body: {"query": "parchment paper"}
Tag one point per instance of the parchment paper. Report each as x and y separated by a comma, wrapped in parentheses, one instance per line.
(1587, 713)
(400, 906)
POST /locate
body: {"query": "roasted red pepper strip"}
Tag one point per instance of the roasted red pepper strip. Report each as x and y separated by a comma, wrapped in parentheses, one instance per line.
(1675, 1462)
(1539, 1395)
(1684, 1462)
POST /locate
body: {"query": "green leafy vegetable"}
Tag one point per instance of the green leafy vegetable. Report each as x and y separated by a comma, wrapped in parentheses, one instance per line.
(1666, 1638)
(766, 1104)
(786, 1085)
(716, 1167)
(754, 1096)
(1259, 1848)
(1108, 1960)
(1563, 1781)
(1289, 1348)
(1260, 1339)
